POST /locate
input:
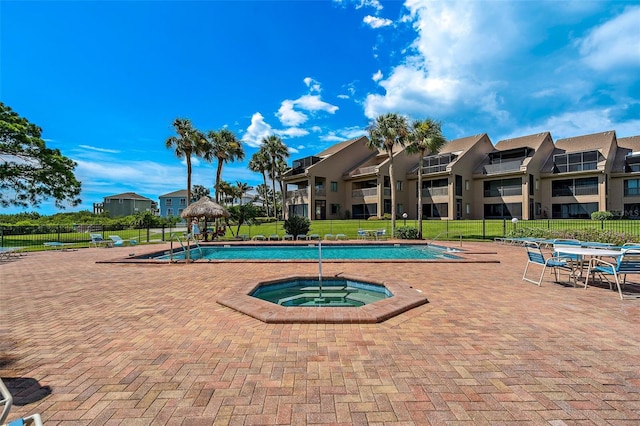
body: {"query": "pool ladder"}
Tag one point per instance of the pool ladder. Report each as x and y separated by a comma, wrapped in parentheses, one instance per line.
(187, 249)
(444, 233)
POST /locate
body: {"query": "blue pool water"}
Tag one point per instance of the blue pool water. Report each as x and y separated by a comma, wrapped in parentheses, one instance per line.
(329, 252)
(334, 292)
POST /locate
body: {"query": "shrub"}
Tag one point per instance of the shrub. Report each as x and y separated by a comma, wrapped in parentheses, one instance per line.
(347, 214)
(601, 216)
(386, 216)
(406, 233)
(297, 225)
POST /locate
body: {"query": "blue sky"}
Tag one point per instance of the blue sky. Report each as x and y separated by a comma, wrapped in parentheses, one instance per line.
(105, 80)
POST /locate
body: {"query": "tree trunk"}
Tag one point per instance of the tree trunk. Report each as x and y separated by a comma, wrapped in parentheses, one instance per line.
(393, 196)
(420, 164)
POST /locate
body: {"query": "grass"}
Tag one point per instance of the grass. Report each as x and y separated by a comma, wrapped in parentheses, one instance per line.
(441, 230)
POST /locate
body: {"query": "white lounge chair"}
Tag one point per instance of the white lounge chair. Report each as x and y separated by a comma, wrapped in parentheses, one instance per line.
(6, 399)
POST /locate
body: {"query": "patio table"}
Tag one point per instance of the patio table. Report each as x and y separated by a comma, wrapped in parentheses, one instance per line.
(577, 266)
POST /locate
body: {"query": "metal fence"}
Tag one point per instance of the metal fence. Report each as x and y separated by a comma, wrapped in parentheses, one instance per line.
(34, 237)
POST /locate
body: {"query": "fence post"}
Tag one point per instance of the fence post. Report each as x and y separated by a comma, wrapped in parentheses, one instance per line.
(484, 229)
(59, 233)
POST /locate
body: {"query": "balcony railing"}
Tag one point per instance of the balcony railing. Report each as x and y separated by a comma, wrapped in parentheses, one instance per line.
(363, 171)
(504, 191)
(320, 191)
(507, 166)
(298, 193)
(571, 191)
(434, 169)
(435, 192)
(364, 192)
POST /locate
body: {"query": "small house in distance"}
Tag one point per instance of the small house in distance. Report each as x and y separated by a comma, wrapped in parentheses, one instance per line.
(125, 204)
(173, 203)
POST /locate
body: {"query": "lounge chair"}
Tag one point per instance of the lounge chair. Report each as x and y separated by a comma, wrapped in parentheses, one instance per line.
(117, 241)
(341, 237)
(329, 237)
(259, 237)
(6, 400)
(288, 237)
(381, 234)
(362, 234)
(556, 263)
(274, 237)
(628, 263)
(313, 237)
(301, 237)
(97, 241)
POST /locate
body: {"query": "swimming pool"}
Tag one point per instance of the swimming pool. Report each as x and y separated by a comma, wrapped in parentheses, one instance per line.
(310, 252)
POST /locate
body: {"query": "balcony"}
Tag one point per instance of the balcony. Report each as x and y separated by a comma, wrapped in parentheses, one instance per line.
(363, 171)
(435, 192)
(505, 167)
(572, 191)
(504, 191)
(320, 191)
(364, 192)
(298, 193)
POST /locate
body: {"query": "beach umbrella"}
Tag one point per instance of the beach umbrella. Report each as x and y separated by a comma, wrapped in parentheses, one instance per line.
(204, 207)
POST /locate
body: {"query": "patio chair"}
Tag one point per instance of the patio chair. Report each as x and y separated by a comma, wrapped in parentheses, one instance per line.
(329, 237)
(258, 237)
(381, 234)
(301, 237)
(6, 401)
(313, 237)
(628, 263)
(555, 263)
(341, 237)
(362, 234)
(287, 237)
(274, 237)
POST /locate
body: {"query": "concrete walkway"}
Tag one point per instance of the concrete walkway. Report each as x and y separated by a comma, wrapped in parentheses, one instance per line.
(131, 344)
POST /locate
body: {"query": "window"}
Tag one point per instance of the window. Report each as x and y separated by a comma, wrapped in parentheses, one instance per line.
(502, 211)
(399, 209)
(466, 185)
(399, 185)
(335, 208)
(169, 202)
(334, 186)
(576, 161)
(120, 200)
(183, 201)
(503, 187)
(467, 208)
(631, 187)
(574, 187)
(458, 187)
(169, 212)
(573, 210)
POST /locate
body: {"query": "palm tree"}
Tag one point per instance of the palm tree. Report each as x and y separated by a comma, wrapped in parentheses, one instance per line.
(198, 192)
(276, 150)
(265, 193)
(225, 147)
(260, 163)
(387, 131)
(225, 189)
(189, 141)
(425, 137)
(242, 188)
(281, 169)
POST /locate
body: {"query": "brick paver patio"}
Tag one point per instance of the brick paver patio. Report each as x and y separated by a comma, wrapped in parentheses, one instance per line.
(136, 344)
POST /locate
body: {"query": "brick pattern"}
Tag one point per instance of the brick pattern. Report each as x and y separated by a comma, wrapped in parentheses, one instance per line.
(140, 344)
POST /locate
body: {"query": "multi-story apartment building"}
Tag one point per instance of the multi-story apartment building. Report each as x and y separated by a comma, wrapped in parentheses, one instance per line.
(529, 177)
(624, 189)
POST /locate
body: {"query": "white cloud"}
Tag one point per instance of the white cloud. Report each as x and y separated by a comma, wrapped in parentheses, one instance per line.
(257, 130)
(578, 123)
(312, 84)
(454, 56)
(94, 148)
(375, 22)
(292, 150)
(292, 132)
(614, 44)
(289, 116)
(377, 76)
(343, 96)
(344, 134)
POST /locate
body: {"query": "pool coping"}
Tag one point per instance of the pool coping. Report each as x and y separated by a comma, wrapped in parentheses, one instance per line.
(464, 256)
(405, 297)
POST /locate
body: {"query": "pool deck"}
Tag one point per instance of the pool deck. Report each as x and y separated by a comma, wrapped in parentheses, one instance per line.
(144, 344)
